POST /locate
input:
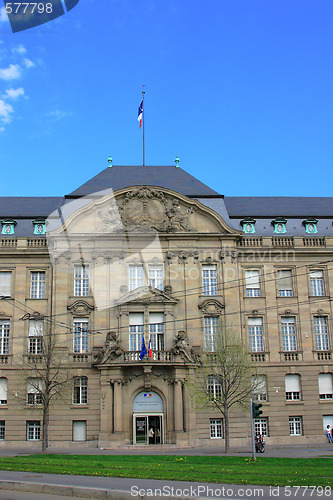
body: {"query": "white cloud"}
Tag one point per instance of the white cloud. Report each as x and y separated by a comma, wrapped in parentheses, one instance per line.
(13, 93)
(28, 63)
(3, 15)
(5, 111)
(59, 114)
(13, 71)
(2, 129)
(20, 49)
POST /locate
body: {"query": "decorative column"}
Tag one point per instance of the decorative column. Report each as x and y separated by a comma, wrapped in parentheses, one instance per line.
(117, 405)
(178, 404)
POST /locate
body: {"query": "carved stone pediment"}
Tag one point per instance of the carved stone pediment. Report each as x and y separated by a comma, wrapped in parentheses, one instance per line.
(148, 209)
(147, 295)
(211, 306)
(80, 308)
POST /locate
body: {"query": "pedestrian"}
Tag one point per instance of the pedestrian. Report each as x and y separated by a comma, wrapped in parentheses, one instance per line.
(329, 434)
(151, 435)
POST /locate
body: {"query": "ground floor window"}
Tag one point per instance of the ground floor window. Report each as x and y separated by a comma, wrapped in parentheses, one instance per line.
(33, 430)
(216, 431)
(261, 427)
(79, 430)
(2, 430)
(295, 426)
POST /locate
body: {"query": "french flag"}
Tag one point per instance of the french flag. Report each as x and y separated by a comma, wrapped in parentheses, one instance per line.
(140, 113)
(150, 351)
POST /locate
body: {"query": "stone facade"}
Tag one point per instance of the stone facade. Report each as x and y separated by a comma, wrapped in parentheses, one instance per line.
(148, 261)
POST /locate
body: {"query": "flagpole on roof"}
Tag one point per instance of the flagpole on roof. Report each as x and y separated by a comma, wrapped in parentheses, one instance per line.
(143, 126)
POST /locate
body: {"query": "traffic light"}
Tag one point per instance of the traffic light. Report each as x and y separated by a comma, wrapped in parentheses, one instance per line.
(256, 412)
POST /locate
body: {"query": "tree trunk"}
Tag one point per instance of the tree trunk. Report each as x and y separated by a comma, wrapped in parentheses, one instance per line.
(226, 427)
(45, 440)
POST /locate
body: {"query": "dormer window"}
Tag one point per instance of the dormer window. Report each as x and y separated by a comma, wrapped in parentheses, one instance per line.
(279, 226)
(248, 225)
(39, 226)
(8, 226)
(310, 225)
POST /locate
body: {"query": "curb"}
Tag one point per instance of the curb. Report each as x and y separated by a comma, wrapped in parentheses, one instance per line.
(75, 491)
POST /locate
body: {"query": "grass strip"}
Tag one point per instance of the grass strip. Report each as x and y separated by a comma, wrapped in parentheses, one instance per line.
(212, 469)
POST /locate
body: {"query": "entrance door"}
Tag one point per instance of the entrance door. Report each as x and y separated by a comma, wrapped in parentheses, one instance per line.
(147, 429)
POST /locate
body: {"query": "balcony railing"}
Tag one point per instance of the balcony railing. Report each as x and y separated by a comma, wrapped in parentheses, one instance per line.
(134, 356)
(291, 356)
(324, 355)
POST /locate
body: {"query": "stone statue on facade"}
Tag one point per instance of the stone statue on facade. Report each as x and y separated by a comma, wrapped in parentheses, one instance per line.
(111, 349)
(182, 346)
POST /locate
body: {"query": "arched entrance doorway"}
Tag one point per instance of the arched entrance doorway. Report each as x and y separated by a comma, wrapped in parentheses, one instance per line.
(148, 421)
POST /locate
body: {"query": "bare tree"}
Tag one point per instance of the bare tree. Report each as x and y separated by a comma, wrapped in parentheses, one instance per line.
(46, 368)
(224, 377)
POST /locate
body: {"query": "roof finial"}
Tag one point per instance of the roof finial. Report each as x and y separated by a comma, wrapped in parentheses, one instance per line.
(110, 161)
(177, 161)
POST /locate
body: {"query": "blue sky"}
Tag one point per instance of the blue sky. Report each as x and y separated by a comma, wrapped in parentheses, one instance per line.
(240, 90)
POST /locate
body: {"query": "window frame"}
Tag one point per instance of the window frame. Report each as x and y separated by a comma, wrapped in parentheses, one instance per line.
(283, 291)
(4, 389)
(134, 279)
(295, 423)
(259, 393)
(35, 427)
(252, 291)
(2, 430)
(216, 428)
(80, 336)
(4, 336)
(211, 325)
(7, 286)
(80, 390)
(38, 286)
(34, 391)
(214, 387)
(261, 423)
(156, 281)
(81, 280)
(320, 331)
(256, 339)
(328, 396)
(317, 283)
(209, 282)
(288, 336)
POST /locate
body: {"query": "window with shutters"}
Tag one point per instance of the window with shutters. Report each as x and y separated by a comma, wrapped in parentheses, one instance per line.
(256, 337)
(252, 281)
(35, 391)
(5, 283)
(317, 283)
(325, 386)
(288, 329)
(3, 390)
(136, 330)
(156, 331)
(259, 388)
(293, 387)
(285, 281)
(35, 341)
(320, 328)
(209, 280)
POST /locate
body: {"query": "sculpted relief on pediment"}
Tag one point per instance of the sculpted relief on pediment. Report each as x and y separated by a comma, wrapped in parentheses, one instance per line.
(146, 209)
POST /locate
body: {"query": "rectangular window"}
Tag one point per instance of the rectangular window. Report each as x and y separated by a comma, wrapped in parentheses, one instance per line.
(33, 430)
(285, 283)
(81, 281)
(214, 387)
(80, 390)
(3, 390)
(293, 387)
(289, 341)
(155, 277)
(295, 426)
(261, 427)
(4, 337)
(80, 336)
(259, 388)
(317, 283)
(325, 386)
(37, 285)
(252, 280)
(256, 337)
(321, 333)
(35, 391)
(36, 330)
(156, 331)
(216, 429)
(136, 330)
(136, 277)
(209, 280)
(211, 332)
(2, 430)
(6, 283)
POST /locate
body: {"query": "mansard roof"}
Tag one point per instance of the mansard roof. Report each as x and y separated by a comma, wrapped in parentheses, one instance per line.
(170, 177)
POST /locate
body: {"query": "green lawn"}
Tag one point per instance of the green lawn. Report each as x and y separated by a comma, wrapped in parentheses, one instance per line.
(230, 470)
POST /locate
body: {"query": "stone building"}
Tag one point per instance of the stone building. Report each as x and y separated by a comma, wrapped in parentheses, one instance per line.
(152, 253)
